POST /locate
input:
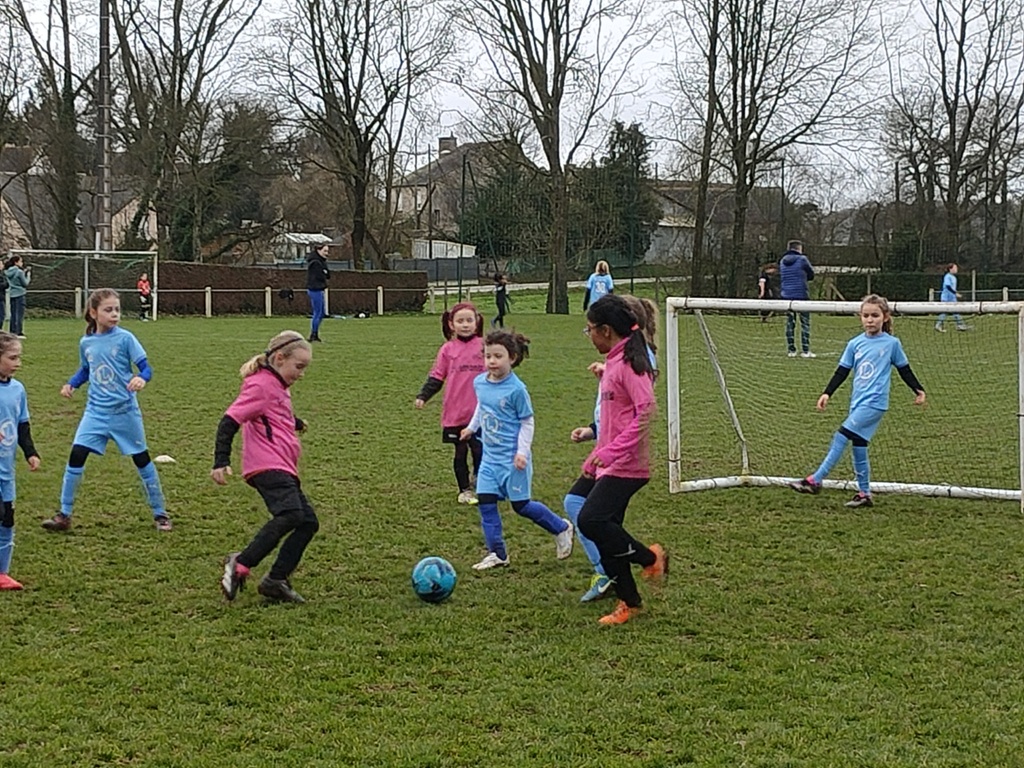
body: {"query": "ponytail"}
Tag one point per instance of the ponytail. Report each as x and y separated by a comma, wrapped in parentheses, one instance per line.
(616, 312)
(285, 342)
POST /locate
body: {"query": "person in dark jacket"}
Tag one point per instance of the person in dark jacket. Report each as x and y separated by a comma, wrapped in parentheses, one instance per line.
(795, 271)
(317, 276)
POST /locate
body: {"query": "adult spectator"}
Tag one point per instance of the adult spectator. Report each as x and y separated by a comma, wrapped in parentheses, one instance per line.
(18, 278)
(795, 271)
(317, 276)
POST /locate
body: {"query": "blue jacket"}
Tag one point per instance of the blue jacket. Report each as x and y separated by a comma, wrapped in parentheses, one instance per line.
(794, 272)
(18, 281)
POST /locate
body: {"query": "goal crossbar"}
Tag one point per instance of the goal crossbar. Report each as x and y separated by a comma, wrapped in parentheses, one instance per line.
(676, 306)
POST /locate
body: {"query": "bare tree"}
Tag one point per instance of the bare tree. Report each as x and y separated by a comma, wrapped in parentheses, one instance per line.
(354, 70)
(775, 75)
(958, 91)
(561, 62)
(170, 55)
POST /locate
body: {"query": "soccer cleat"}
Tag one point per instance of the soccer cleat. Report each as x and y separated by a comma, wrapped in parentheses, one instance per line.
(807, 485)
(491, 561)
(467, 497)
(860, 500)
(600, 586)
(163, 523)
(940, 329)
(564, 541)
(791, 353)
(58, 522)
(620, 615)
(8, 584)
(279, 590)
(963, 327)
(233, 580)
(659, 569)
(808, 354)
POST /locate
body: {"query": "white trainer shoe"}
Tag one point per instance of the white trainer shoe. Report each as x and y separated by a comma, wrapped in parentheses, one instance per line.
(791, 354)
(467, 497)
(807, 354)
(564, 541)
(491, 561)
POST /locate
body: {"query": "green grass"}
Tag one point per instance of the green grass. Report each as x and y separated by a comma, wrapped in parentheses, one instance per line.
(792, 633)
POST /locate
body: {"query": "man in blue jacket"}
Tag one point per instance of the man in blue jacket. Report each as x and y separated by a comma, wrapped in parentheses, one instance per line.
(794, 272)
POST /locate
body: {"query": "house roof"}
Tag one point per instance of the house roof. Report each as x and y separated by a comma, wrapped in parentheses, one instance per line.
(450, 163)
(15, 159)
(764, 203)
(302, 238)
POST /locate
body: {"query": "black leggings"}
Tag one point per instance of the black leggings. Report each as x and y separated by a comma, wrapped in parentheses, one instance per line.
(461, 464)
(601, 521)
(292, 513)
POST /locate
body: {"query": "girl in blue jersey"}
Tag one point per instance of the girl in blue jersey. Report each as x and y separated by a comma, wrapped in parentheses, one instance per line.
(950, 294)
(14, 433)
(871, 356)
(107, 354)
(598, 284)
(504, 416)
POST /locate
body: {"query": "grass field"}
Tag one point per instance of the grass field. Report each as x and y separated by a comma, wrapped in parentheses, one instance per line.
(792, 632)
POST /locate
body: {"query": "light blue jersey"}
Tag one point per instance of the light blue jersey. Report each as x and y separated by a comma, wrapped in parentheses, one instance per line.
(13, 411)
(599, 285)
(872, 358)
(109, 358)
(949, 287)
(503, 404)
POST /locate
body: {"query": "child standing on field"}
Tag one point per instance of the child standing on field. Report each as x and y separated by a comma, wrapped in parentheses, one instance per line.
(459, 361)
(15, 432)
(950, 295)
(145, 291)
(504, 414)
(620, 464)
(600, 584)
(871, 356)
(270, 464)
(107, 354)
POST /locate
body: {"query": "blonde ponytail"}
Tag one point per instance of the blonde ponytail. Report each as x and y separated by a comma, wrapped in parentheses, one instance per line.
(286, 342)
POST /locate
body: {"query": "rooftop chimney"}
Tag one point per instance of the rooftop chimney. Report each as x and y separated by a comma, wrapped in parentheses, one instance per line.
(446, 144)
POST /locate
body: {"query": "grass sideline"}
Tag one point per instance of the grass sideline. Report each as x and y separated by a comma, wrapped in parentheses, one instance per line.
(792, 632)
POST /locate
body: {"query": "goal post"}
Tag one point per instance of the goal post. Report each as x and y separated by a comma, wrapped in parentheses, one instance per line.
(62, 279)
(741, 411)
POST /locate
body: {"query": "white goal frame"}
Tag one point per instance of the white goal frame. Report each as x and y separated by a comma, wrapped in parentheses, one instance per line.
(678, 484)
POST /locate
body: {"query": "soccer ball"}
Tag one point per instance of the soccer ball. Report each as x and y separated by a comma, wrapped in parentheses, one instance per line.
(433, 579)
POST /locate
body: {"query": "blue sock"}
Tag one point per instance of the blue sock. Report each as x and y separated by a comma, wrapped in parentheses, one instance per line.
(572, 505)
(69, 488)
(490, 521)
(542, 516)
(862, 469)
(6, 548)
(154, 493)
(835, 452)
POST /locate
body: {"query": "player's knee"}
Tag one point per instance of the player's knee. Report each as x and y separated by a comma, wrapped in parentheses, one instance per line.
(7, 515)
(79, 453)
(141, 459)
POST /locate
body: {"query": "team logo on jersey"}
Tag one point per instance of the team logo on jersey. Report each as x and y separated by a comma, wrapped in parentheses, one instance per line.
(105, 376)
(8, 433)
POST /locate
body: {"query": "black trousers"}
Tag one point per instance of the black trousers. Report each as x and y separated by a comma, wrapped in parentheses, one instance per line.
(601, 521)
(291, 513)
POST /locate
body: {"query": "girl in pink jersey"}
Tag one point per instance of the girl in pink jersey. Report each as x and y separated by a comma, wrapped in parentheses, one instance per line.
(620, 463)
(459, 361)
(270, 464)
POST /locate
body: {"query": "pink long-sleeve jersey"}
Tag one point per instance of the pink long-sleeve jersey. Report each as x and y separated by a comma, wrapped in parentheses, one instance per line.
(264, 410)
(627, 404)
(458, 363)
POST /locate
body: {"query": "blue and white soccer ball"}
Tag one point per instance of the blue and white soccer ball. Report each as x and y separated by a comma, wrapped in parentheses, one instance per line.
(433, 579)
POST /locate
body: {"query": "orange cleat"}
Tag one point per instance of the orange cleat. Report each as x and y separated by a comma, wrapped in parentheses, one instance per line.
(659, 570)
(620, 615)
(6, 582)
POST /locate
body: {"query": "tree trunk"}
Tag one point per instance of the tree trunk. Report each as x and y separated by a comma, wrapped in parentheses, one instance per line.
(558, 293)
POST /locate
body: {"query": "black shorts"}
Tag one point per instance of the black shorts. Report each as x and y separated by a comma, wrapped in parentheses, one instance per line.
(281, 492)
(451, 434)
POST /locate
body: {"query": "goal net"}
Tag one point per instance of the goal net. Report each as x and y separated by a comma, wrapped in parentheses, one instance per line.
(741, 411)
(62, 279)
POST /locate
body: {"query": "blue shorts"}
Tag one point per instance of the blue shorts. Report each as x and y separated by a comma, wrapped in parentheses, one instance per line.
(125, 429)
(505, 481)
(864, 421)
